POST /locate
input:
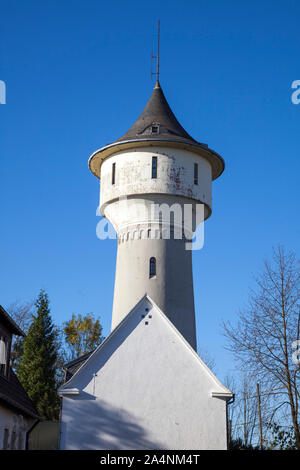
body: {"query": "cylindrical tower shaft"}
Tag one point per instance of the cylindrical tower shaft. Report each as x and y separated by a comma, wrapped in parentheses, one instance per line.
(155, 162)
(162, 269)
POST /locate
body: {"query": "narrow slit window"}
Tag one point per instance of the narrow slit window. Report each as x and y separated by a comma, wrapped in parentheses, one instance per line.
(113, 174)
(152, 268)
(154, 167)
(195, 173)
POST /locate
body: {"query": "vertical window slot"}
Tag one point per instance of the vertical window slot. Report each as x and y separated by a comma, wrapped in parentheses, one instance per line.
(154, 167)
(195, 173)
(152, 267)
(113, 174)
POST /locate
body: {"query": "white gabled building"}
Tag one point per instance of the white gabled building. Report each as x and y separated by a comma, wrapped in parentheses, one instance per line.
(144, 387)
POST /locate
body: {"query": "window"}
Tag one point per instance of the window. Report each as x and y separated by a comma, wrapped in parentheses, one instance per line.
(13, 440)
(154, 167)
(5, 439)
(152, 267)
(154, 129)
(113, 174)
(4, 349)
(20, 440)
(195, 173)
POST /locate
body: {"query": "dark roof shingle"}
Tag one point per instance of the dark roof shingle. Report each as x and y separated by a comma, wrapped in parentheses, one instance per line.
(73, 366)
(13, 393)
(157, 112)
(168, 132)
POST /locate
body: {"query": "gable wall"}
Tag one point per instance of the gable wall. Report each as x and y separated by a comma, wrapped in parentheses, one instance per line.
(144, 390)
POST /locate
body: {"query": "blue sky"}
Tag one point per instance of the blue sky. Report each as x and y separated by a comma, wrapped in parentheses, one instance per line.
(78, 75)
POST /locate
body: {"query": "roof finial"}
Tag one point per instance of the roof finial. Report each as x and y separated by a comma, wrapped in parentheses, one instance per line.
(157, 85)
(158, 30)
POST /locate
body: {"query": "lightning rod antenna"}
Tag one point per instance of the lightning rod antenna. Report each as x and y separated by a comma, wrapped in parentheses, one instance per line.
(156, 56)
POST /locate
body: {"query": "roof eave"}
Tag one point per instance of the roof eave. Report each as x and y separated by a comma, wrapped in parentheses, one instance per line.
(11, 324)
(10, 401)
(223, 395)
(97, 158)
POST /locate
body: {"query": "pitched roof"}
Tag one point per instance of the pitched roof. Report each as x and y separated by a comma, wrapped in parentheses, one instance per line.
(158, 112)
(106, 349)
(169, 132)
(12, 393)
(10, 324)
(72, 366)
(11, 390)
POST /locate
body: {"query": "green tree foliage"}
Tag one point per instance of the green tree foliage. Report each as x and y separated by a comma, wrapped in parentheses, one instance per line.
(37, 367)
(82, 334)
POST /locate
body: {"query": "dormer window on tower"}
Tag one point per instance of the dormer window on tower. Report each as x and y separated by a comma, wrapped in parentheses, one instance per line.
(155, 129)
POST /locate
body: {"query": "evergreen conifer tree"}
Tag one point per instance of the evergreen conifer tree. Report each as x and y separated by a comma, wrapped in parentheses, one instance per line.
(37, 368)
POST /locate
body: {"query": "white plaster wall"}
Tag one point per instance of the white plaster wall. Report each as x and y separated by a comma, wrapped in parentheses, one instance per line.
(175, 174)
(145, 389)
(14, 422)
(139, 212)
(171, 288)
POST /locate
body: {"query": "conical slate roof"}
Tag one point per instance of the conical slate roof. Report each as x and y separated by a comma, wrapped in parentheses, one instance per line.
(155, 126)
(159, 114)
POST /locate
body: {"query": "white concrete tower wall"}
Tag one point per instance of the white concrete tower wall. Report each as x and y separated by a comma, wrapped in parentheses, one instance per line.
(141, 234)
(175, 175)
(156, 162)
(171, 287)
